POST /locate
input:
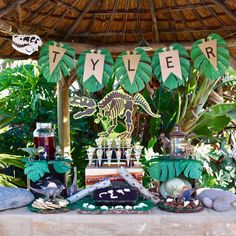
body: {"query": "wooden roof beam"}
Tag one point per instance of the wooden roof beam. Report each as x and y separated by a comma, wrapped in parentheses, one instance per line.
(118, 48)
(11, 6)
(10, 28)
(79, 19)
(225, 9)
(133, 11)
(154, 21)
(185, 29)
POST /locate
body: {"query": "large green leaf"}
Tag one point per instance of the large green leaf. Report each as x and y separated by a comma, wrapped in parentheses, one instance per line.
(215, 119)
(92, 84)
(172, 81)
(60, 166)
(8, 159)
(192, 168)
(143, 72)
(9, 181)
(63, 68)
(164, 169)
(203, 65)
(36, 169)
(32, 151)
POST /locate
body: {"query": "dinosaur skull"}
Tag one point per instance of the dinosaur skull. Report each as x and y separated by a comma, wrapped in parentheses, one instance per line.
(26, 44)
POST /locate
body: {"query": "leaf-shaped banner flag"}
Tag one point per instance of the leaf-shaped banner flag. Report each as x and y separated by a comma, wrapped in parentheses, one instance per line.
(94, 69)
(56, 60)
(171, 68)
(210, 56)
(133, 70)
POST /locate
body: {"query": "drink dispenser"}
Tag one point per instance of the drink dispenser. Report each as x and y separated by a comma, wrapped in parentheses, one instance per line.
(44, 136)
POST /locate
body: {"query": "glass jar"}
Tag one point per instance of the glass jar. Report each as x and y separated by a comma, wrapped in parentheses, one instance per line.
(44, 136)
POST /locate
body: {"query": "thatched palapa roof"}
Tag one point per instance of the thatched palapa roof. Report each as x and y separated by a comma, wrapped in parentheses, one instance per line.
(116, 22)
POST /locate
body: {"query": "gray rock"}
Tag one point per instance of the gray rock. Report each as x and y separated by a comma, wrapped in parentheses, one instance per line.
(11, 198)
(217, 199)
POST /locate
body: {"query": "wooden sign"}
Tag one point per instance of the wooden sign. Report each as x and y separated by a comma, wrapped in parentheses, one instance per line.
(170, 63)
(94, 65)
(209, 49)
(55, 56)
(131, 65)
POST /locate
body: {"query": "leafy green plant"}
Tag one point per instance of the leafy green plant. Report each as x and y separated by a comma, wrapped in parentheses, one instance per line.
(27, 98)
(10, 181)
(92, 84)
(219, 165)
(142, 76)
(164, 168)
(65, 65)
(215, 119)
(172, 81)
(7, 160)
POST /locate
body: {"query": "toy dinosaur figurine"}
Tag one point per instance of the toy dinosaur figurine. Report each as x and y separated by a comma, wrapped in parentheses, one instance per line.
(114, 105)
(51, 192)
(165, 142)
(73, 189)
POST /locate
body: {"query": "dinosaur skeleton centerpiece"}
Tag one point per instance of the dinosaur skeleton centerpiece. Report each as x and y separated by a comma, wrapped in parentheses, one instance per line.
(26, 44)
(114, 105)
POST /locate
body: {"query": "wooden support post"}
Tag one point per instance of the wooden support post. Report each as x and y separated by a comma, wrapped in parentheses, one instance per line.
(63, 116)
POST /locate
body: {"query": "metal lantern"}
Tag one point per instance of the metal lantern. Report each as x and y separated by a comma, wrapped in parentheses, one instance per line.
(177, 143)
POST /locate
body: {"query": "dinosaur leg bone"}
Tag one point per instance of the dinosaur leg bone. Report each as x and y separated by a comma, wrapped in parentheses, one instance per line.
(129, 125)
(99, 117)
(112, 126)
(88, 190)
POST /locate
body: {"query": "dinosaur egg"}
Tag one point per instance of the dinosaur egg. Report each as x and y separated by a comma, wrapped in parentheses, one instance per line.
(173, 186)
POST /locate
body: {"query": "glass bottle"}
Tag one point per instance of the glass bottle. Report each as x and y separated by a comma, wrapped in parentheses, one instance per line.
(44, 136)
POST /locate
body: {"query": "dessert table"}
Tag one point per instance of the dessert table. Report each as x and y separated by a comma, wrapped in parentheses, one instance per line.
(22, 222)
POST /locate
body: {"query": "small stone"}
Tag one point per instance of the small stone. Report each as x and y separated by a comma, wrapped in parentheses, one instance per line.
(104, 207)
(119, 207)
(127, 207)
(11, 198)
(91, 206)
(169, 200)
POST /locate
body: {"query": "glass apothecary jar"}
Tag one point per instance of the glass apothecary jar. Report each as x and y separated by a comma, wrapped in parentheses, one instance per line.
(44, 136)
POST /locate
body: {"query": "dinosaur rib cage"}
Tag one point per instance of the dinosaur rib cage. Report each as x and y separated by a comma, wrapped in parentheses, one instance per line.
(115, 108)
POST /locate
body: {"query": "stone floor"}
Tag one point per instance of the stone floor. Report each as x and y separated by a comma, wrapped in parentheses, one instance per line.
(21, 222)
